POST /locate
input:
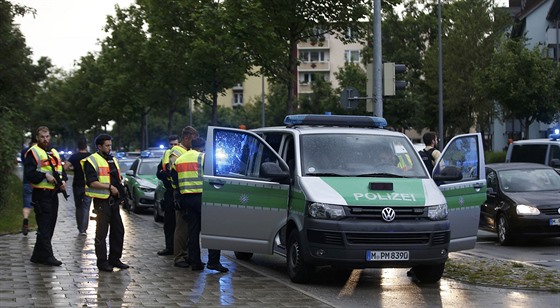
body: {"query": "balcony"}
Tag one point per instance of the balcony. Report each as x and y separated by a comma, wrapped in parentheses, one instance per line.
(304, 88)
(314, 67)
(319, 45)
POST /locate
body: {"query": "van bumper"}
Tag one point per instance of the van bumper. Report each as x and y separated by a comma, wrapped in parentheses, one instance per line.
(346, 243)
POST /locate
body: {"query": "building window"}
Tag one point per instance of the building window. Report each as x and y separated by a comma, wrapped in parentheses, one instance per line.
(352, 56)
(308, 78)
(237, 98)
(312, 56)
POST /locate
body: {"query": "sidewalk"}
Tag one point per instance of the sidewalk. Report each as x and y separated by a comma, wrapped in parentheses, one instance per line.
(151, 281)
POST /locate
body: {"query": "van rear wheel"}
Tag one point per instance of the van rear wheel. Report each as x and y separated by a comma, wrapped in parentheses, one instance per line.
(243, 255)
(298, 270)
(429, 273)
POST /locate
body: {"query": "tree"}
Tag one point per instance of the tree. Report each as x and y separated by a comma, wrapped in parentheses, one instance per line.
(524, 83)
(271, 30)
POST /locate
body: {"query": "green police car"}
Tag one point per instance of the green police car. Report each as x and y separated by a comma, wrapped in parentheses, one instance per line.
(340, 191)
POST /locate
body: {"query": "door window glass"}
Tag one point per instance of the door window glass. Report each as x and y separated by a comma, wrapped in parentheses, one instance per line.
(239, 154)
(463, 154)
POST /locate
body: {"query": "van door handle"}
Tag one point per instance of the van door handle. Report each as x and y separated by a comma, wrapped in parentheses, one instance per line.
(217, 185)
(477, 186)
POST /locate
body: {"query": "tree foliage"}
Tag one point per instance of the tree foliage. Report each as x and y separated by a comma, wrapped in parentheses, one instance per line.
(525, 85)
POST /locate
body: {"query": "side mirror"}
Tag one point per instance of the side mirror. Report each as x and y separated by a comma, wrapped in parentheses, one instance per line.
(275, 173)
(129, 172)
(555, 163)
(490, 192)
(449, 174)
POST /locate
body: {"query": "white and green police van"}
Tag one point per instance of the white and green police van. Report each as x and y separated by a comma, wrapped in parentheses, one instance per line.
(340, 191)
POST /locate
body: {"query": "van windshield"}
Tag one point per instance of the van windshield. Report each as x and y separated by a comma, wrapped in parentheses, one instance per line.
(359, 155)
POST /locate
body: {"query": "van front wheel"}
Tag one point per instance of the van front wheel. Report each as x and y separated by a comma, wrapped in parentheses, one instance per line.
(243, 255)
(298, 270)
(429, 273)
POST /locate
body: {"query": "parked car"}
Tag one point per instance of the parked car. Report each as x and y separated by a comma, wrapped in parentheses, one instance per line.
(541, 151)
(158, 202)
(523, 200)
(140, 183)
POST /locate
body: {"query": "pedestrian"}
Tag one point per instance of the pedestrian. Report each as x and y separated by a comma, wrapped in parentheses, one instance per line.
(102, 177)
(181, 233)
(81, 201)
(430, 153)
(42, 167)
(26, 196)
(189, 171)
(167, 202)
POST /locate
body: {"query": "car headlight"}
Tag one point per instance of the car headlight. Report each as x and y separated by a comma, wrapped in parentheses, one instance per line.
(523, 209)
(146, 189)
(325, 211)
(437, 212)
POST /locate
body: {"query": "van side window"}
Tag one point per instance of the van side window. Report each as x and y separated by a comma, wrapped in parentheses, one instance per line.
(534, 153)
(240, 155)
(554, 152)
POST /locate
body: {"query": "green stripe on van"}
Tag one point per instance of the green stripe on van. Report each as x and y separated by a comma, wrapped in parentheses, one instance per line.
(406, 192)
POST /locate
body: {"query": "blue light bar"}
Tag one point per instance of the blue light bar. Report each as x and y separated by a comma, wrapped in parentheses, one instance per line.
(335, 120)
(554, 136)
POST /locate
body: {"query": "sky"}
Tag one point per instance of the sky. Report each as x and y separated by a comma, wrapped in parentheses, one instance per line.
(65, 30)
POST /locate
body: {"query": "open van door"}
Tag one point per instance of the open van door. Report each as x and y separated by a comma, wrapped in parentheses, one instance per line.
(465, 155)
(245, 192)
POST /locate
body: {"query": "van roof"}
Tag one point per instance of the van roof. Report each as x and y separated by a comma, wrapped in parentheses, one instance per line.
(334, 120)
(536, 141)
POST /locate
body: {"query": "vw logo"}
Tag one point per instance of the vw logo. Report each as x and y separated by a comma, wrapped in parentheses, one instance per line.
(388, 214)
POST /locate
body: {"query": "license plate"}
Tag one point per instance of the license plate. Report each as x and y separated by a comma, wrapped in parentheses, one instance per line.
(555, 221)
(376, 255)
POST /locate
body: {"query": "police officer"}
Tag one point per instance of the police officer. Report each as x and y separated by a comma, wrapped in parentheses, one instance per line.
(103, 177)
(41, 167)
(188, 178)
(181, 234)
(167, 205)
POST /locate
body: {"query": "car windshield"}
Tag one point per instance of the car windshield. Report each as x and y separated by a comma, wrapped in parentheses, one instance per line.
(359, 155)
(529, 180)
(148, 168)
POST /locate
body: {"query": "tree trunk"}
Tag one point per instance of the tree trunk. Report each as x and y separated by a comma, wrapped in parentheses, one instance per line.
(292, 75)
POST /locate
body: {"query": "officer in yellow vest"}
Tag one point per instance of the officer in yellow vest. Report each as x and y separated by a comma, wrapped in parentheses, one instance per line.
(42, 163)
(167, 202)
(181, 234)
(103, 176)
(187, 175)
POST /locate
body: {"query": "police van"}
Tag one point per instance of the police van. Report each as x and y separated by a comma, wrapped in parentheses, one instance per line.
(340, 191)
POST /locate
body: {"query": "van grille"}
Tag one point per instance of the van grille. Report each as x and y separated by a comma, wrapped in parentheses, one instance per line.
(401, 213)
(337, 238)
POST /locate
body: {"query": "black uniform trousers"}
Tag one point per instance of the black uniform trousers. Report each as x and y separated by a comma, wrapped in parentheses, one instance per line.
(108, 221)
(169, 218)
(45, 205)
(194, 206)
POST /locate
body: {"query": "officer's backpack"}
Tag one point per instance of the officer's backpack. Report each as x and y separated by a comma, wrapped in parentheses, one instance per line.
(427, 159)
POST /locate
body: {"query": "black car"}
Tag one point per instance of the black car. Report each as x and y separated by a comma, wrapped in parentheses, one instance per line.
(523, 200)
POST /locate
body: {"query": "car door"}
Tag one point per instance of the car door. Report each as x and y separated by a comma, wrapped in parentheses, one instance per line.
(464, 197)
(488, 208)
(242, 206)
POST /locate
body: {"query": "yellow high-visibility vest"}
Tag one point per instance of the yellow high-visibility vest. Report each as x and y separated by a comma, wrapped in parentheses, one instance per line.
(43, 165)
(101, 166)
(174, 154)
(189, 172)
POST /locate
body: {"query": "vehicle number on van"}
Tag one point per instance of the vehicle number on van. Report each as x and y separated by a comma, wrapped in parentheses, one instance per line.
(375, 255)
(555, 221)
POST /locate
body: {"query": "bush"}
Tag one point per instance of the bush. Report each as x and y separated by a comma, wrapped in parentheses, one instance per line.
(10, 209)
(495, 157)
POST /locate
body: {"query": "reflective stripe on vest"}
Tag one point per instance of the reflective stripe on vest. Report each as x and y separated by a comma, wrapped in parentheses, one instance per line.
(43, 165)
(101, 166)
(174, 154)
(189, 172)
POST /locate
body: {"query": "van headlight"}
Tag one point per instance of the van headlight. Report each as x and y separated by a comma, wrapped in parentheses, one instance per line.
(325, 211)
(437, 212)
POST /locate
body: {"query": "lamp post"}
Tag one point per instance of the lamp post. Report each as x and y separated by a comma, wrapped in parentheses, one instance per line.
(441, 133)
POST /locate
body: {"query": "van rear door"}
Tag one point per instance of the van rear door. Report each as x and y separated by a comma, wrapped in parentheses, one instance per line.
(464, 197)
(245, 193)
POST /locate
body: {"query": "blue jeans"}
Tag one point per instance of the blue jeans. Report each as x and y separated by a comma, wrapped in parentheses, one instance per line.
(27, 192)
(83, 204)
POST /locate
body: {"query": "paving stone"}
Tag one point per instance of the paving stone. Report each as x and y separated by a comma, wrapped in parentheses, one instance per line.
(151, 281)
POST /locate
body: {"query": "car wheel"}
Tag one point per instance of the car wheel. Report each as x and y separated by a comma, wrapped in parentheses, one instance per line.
(298, 270)
(243, 255)
(429, 273)
(504, 232)
(157, 216)
(132, 202)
